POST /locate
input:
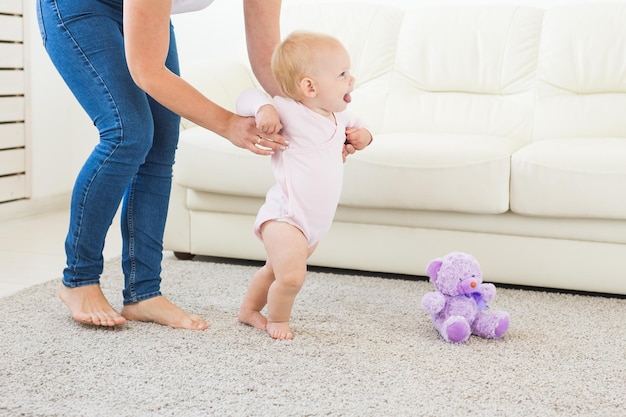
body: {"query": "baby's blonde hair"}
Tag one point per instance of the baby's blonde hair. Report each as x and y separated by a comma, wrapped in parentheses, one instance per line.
(293, 60)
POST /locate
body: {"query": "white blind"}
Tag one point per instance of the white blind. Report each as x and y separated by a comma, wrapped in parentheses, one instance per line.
(12, 114)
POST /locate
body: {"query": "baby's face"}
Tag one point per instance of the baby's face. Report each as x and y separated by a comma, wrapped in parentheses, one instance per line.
(333, 78)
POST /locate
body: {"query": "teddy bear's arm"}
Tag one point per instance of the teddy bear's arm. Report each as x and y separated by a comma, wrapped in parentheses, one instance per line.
(488, 291)
(433, 302)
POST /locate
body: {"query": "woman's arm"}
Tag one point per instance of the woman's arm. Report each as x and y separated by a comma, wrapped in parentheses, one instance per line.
(262, 18)
(146, 37)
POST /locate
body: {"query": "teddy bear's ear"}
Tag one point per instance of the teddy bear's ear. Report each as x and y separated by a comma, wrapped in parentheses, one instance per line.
(433, 268)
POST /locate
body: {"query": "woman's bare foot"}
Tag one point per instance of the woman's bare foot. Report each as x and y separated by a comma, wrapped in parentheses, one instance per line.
(252, 318)
(279, 330)
(88, 305)
(161, 311)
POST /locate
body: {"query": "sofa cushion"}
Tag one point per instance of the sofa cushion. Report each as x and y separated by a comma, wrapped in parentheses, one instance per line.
(570, 178)
(445, 172)
(206, 161)
(459, 173)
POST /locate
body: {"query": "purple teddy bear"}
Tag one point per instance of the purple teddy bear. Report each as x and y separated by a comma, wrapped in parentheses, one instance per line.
(458, 306)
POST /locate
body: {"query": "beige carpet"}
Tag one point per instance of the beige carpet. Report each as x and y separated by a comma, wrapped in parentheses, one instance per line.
(363, 347)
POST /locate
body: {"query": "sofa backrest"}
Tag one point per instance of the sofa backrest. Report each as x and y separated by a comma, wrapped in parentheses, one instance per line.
(436, 69)
(582, 73)
(504, 71)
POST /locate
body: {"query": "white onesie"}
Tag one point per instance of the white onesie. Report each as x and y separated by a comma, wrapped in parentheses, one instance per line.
(309, 173)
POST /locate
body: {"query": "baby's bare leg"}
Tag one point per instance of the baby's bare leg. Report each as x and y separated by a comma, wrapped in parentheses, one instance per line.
(287, 252)
(256, 298)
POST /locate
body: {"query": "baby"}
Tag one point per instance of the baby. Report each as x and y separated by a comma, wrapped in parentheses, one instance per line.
(313, 73)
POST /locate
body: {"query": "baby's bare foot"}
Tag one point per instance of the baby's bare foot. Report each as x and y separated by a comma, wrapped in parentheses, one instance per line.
(279, 330)
(252, 318)
(88, 305)
(161, 311)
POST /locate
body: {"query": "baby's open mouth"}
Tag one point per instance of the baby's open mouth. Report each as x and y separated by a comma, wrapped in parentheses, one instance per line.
(347, 98)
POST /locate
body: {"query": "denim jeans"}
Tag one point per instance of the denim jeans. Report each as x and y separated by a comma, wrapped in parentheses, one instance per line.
(132, 161)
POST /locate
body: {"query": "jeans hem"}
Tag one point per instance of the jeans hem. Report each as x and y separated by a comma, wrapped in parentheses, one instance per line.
(138, 298)
(82, 283)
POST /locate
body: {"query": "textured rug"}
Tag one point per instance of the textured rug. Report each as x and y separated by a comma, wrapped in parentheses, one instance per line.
(363, 347)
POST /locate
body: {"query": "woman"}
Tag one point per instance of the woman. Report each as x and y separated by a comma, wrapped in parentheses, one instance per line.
(119, 59)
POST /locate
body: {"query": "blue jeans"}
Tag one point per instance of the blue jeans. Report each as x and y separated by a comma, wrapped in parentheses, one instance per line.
(134, 157)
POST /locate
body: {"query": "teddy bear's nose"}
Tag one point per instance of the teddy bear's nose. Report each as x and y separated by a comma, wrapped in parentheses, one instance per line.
(473, 284)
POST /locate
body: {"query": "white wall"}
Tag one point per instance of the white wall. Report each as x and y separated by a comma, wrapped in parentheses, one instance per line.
(60, 134)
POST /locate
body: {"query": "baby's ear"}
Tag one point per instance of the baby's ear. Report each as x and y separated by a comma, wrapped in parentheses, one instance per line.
(433, 268)
(307, 86)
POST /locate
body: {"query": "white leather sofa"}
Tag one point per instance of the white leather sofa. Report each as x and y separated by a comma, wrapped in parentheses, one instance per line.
(498, 130)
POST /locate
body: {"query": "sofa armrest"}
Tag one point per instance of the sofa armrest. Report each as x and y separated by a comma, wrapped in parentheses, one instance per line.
(177, 235)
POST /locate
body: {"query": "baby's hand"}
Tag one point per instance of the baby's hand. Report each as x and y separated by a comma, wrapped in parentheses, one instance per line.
(358, 138)
(267, 120)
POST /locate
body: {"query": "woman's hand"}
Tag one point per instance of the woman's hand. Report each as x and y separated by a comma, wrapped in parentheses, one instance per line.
(244, 133)
(347, 150)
